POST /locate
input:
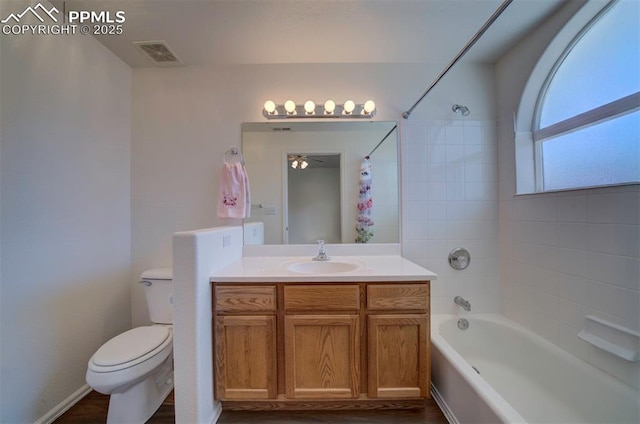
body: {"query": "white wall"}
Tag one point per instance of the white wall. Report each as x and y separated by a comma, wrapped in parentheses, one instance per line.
(65, 173)
(184, 119)
(568, 254)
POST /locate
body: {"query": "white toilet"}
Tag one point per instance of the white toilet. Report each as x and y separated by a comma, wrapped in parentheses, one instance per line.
(136, 367)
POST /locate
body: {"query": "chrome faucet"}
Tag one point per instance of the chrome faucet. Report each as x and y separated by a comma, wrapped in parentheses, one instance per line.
(322, 252)
(458, 300)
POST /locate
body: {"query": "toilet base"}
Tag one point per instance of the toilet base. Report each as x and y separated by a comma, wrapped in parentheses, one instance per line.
(140, 401)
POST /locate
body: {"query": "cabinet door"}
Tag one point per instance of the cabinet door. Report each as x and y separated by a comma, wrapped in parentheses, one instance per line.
(246, 357)
(398, 356)
(322, 356)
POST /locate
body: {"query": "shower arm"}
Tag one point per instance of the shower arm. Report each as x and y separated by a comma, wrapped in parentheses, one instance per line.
(461, 53)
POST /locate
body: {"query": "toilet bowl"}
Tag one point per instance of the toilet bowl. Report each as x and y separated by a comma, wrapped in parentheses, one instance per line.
(136, 367)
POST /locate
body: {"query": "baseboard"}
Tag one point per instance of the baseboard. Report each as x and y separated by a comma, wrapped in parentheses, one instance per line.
(217, 411)
(448, 414)
(64, 406)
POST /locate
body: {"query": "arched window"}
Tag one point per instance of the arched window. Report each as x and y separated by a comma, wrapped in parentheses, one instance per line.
(587, 122)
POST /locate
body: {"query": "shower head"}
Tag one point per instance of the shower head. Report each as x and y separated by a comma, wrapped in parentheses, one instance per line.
(464, 111)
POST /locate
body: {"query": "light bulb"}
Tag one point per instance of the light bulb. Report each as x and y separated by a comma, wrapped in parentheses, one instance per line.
(329, 107)
(348, 107)
(304, 164)
(294, 164)
(309, 107)
(290, 107)
(369, 107)
(270, 107)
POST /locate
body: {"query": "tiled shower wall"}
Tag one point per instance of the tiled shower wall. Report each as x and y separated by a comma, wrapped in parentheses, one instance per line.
(450, 199)
(569, 254)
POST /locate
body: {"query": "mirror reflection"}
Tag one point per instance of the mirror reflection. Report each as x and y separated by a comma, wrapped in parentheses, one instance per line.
(306, 180)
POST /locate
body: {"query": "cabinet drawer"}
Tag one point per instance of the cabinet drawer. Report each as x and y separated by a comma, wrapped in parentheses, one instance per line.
(398, 296)
(343, 297)
(245, 298)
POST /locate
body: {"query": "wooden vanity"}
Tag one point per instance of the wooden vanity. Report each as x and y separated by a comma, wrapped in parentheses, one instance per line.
(317, 345)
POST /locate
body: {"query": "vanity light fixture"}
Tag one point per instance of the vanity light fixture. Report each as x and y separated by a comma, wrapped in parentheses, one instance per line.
(311, 109)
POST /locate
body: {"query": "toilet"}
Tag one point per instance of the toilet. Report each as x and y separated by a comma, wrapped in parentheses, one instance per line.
(136, 367)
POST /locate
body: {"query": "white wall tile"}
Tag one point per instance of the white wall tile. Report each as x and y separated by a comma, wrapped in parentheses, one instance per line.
(436, 132)
(574, 262)
(615, 239)
(472, 134)
(573, 235)
(436, 154)
(616, 208)
(454, 134)
(459, 190)
(617, 270)
(572, 208)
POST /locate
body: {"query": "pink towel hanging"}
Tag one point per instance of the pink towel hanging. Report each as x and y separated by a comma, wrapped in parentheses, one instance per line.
(233, 192)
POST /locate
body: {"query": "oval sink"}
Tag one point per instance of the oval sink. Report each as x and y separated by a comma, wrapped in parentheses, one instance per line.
(319, 267)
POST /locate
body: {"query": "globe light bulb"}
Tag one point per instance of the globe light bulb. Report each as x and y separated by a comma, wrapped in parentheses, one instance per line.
(329, 107)
(290, 107)
(349, 106)
(309, 107)
(369, 107)
(270, 107)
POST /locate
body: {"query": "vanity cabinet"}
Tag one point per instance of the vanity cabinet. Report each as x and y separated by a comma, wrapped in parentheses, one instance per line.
(322, 341)
(398, 346)
(319, 345)
(245, 335)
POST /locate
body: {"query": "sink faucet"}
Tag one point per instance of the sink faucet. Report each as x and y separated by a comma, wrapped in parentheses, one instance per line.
(322, 252)
(458, 300)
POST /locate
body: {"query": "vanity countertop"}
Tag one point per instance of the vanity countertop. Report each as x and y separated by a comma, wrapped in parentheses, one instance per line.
(271, 269)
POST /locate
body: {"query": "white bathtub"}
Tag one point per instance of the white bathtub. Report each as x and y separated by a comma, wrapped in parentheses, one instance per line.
(520, 377)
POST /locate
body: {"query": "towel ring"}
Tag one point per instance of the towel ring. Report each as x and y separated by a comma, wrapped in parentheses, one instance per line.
(233, 156)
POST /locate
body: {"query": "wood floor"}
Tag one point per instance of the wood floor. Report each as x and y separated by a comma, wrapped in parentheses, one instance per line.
(93, 410)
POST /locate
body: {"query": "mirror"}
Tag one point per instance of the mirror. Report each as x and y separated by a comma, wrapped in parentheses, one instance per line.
(320, 201)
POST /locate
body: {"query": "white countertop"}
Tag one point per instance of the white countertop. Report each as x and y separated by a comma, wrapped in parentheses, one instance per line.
(272, 269)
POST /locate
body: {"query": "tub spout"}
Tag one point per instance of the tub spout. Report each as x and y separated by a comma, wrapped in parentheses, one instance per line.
(458, 300)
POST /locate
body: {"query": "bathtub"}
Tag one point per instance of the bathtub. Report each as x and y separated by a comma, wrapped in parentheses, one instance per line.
(497, 371)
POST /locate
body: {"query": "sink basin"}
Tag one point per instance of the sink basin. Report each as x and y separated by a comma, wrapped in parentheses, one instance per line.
(323, 267)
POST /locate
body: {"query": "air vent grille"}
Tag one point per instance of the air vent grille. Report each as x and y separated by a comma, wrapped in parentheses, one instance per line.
(158, 51)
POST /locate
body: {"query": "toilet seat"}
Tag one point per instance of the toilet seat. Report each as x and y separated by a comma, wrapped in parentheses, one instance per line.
(130, 348)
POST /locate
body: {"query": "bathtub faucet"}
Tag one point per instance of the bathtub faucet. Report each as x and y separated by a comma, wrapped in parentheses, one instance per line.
(458, 300)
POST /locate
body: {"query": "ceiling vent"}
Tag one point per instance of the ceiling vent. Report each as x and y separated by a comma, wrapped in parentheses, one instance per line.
(158, 52)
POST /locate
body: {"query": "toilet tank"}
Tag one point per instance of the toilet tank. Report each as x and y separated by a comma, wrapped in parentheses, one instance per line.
(158, 290)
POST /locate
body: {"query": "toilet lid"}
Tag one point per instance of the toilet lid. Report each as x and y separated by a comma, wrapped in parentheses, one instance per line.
(130, 345)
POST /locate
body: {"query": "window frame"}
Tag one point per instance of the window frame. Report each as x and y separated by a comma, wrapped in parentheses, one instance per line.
(616, 108)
